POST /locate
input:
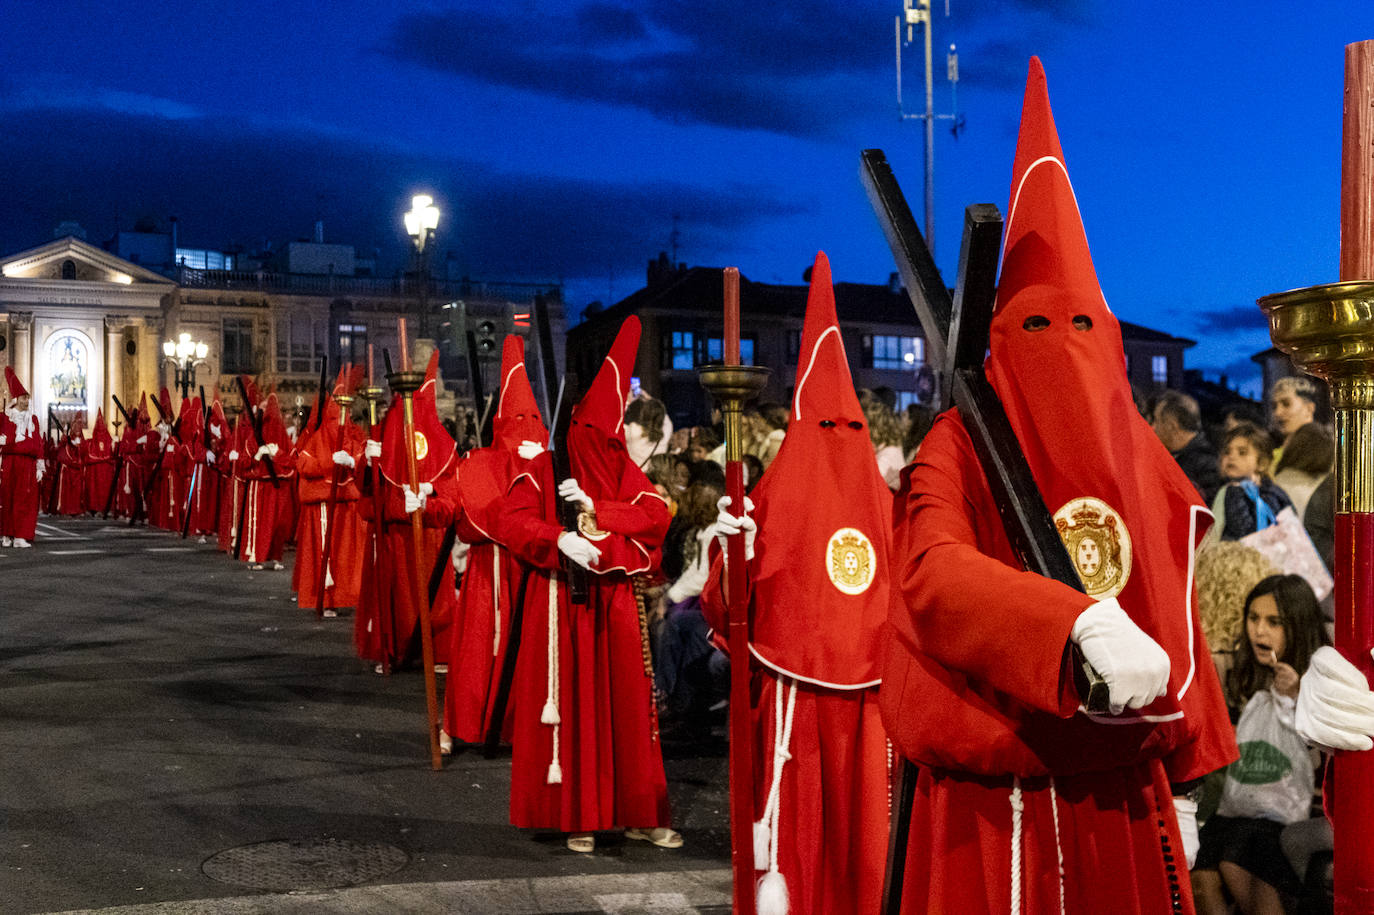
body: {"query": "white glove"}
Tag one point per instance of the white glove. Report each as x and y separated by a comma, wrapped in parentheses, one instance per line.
(728, 525)
(1335, 705)
(372, 449)
(171, 447)
(233, 455)
(415, 501)
(1135, 667)
(459, 556)
(344, 459)
(528, 449)
(3, 439)
(1185, 809)
(578, 549)
(209, 457)
(215, 430)
(571, 492)
(42, 466)
(142, 439)
(270, 450)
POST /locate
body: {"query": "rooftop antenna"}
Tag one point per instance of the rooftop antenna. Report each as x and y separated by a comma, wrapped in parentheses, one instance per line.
(914, 13)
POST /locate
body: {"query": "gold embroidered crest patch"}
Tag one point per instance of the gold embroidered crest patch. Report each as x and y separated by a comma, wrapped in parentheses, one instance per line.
(421, 445)
(1098, 543)
(850, 561)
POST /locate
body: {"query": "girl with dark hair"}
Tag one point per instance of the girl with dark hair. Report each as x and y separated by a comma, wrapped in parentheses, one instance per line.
(1272, 784)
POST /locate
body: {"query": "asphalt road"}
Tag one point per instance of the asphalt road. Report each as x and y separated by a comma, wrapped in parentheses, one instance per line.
(177, 736)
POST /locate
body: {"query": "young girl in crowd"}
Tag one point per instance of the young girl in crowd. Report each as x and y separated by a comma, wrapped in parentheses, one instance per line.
(1240, 853)
(1250, 500)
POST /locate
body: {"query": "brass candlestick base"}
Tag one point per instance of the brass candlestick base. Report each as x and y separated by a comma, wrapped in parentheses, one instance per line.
(344, 400)
(405, 382)
(1328, 331)
(731, 386)
(371, 393)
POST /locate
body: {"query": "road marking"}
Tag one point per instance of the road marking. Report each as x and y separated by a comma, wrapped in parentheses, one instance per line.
(686, 892)
(50, 532)
(168, 549)
(72, 552)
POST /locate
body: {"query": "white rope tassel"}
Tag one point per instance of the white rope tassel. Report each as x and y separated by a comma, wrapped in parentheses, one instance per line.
(1017, 806)
(772, 889)
(550, 715)
(496, 600)
(324, 538)
(1058, 848)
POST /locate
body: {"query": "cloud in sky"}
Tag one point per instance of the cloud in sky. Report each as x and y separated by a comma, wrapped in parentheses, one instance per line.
(238, 184)
(1227, 321)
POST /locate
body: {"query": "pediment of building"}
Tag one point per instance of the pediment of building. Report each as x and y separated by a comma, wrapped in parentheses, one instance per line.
(70, 259)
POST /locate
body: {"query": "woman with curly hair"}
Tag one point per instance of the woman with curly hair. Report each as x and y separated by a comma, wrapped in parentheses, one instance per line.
(1225, 573)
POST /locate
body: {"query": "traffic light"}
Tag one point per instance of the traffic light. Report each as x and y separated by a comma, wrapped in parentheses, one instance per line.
(488, 337)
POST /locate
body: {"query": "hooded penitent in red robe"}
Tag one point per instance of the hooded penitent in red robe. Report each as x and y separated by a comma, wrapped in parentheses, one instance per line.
(320, 480)
(481, 608)
(165, 501)
(70, 470)
(231, 485)
(98, 457)
(1026, 802)
(819, 586)
(133, 466)
(264, 533)
(19, 457)
(585, 745)
(387, 624)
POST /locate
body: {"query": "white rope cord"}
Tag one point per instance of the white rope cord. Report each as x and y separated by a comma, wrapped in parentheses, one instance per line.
(251, 522)
(496, 600)
(550, 715)
(1058, 848)
(1017, 807)
(782, 738)
(324, 539)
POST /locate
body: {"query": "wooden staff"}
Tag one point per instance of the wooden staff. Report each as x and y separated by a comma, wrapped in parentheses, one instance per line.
(344, 401)
(372, 481)
(406, 383)
(731, 384)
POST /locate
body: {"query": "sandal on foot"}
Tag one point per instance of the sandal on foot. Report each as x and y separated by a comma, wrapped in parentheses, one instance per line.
(583, 843)
(661, 836)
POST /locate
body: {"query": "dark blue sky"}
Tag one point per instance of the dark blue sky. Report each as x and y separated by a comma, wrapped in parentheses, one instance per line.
(561, 139)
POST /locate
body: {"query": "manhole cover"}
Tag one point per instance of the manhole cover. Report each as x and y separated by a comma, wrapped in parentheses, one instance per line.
(304, 864)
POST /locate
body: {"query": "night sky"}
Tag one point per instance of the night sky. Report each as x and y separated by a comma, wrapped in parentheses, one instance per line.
(569, 140)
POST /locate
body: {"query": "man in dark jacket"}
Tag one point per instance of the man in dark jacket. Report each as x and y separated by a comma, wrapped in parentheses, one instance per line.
(1178, 423)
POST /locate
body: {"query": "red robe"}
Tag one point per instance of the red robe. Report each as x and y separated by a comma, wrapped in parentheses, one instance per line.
(606, 742)
(98, 457)
(70, 483)
(19, 490)
(387, 624)
(266, 503)
(316, 470)
(165, 502)
(481, 608)
(1000, 728)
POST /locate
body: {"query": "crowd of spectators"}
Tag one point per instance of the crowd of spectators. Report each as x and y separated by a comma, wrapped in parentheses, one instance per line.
(1271, 855)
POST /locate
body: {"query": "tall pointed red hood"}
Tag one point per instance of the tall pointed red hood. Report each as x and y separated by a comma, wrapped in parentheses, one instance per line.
(603, 406)
(435, 449)
(825, 520)
(517, 413)
(1125, 510)
(16, 387)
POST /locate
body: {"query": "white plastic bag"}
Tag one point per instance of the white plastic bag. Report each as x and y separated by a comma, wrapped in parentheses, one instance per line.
(1273, 779)
(1285, 544)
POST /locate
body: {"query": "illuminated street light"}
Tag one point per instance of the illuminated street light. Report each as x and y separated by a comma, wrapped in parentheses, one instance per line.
(421, 222)
(185, 354)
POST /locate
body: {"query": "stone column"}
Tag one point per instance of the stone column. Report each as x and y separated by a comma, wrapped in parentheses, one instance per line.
(114, 363)
(22, 340)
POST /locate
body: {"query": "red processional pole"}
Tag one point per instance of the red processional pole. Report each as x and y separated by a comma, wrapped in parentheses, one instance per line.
(1329, 332)
(732, 384)
(406, 383)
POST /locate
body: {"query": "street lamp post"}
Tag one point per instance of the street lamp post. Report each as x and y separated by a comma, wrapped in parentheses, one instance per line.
(421, 222)
(185, 354)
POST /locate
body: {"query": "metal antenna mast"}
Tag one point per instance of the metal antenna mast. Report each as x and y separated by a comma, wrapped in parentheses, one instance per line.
(914, 13)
